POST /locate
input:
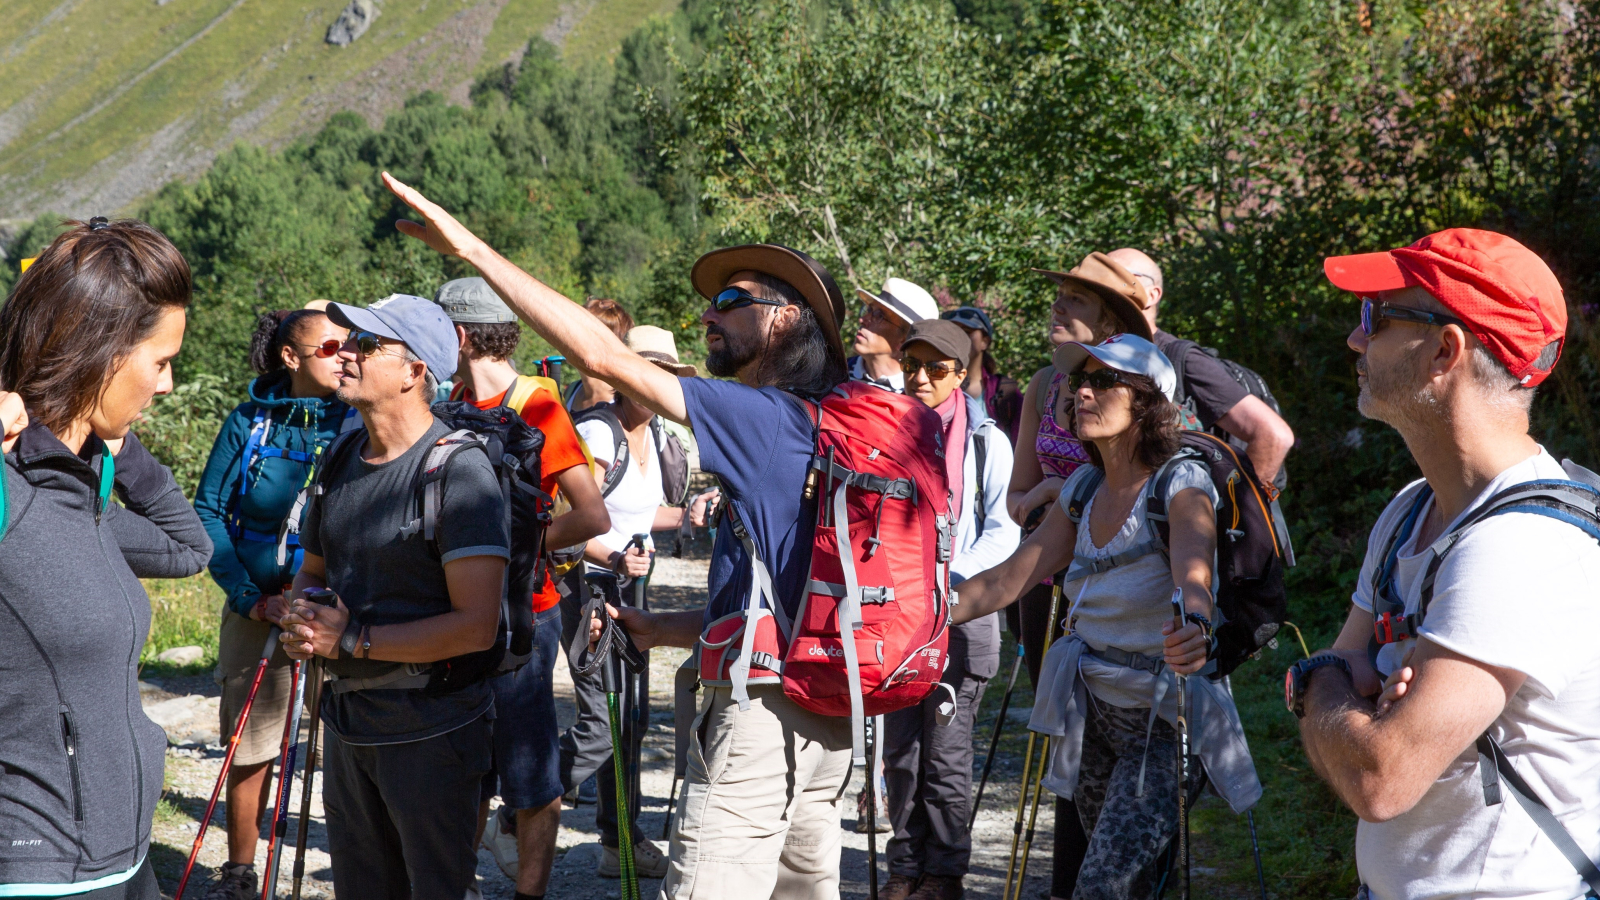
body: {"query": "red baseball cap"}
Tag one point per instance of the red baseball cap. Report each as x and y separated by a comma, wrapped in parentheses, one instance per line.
(1506, 295)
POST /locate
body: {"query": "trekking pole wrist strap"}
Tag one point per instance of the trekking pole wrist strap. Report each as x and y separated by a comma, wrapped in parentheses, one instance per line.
(1206, 631)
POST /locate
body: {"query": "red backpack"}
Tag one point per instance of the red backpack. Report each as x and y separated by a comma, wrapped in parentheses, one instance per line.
(879, 478)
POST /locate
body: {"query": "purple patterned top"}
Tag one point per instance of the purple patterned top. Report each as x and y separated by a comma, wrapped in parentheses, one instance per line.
(1059, 451)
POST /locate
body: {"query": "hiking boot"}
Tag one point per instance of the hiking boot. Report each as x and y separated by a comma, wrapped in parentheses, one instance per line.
(235, 881)
(648, 861)
(861, 814)
(899, 887)
(501, 842)
(939, 887)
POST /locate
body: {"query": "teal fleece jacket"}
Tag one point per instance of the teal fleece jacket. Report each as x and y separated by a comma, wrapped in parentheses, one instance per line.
(247, 569)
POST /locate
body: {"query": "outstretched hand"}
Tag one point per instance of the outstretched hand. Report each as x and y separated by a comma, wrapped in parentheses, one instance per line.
(439, 229)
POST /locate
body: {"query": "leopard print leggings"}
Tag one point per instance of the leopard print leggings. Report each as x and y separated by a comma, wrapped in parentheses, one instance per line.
(1126, 832)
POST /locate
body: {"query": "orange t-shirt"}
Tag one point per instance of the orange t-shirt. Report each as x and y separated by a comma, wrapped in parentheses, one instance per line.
(562, 450)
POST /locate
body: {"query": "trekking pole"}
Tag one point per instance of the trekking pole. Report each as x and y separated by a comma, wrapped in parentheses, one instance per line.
(306, 780)
(872, 807)
(1183, 751)
(227, 761)
(994, 740)
(1033, 815)
(286, 760)
(1027, 762)
(639, 688)
(610, 653)
(1261, 875)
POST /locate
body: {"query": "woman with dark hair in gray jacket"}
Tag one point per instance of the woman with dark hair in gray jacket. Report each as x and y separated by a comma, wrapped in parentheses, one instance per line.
(87, 339)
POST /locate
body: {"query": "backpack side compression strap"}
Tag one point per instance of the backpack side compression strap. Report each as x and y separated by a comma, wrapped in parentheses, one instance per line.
(1495, 767)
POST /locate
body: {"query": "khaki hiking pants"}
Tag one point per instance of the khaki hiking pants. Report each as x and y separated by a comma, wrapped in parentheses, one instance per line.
(759, 816)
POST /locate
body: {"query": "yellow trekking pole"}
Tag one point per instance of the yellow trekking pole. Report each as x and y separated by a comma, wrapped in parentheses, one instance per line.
(1017, 840)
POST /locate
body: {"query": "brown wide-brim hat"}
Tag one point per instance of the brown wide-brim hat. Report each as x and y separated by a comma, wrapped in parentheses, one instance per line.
(712, 271)
(1123, 294)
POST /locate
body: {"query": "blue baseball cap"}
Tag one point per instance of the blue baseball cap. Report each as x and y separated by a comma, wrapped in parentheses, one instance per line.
(970, 317)
(417, 322)
(1124, 352)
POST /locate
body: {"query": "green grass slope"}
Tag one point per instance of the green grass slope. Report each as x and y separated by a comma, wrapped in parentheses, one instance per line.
(102, 101)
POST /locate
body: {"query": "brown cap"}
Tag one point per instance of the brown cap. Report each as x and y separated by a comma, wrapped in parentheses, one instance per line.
(712, 271)
(942, 335)
(1106, 278)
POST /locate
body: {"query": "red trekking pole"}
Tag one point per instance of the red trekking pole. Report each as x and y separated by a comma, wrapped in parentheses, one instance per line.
(227, 761)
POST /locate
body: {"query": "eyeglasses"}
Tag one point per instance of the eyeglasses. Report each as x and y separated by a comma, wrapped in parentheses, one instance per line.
(1099, 379)
(367, 343)
(324, 350)
(739, 298)
(872, 312)
(935, 370)
(1373, 312)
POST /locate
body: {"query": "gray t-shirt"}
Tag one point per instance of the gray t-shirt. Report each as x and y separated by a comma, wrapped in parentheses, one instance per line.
(385, 578)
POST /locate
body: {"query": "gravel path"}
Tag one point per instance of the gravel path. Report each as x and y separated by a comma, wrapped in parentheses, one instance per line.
(192, 770)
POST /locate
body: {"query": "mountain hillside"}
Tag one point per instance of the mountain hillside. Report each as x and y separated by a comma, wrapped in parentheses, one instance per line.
(103, 101)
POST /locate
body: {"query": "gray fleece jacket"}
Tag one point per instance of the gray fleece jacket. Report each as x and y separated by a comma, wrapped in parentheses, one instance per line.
(80, 763)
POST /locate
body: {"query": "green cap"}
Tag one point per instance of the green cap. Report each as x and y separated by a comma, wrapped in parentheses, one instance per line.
(471, 300)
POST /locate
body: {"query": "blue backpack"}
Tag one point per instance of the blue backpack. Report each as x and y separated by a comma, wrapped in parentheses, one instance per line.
(256, 449)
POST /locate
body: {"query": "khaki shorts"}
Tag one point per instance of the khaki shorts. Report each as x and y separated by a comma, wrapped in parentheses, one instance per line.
(238, 652)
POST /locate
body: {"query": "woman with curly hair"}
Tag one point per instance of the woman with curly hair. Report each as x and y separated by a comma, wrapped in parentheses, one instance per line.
(265, 453)
(1106, 689)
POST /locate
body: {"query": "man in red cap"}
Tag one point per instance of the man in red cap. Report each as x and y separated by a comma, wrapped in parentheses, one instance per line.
(1468, 629)
(759, 812)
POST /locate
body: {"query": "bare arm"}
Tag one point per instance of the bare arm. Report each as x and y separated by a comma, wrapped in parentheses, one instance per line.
(1382, 765)
(1047, 550)
(1267, 435)
(474, 583)
(1025, 469)
(1193, 528)
(587, 518)
(571, 329)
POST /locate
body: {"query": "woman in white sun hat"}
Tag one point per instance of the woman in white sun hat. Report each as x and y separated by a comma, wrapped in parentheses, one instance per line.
(1106, 689)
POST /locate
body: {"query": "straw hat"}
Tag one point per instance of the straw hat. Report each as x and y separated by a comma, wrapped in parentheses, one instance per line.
(657, 345)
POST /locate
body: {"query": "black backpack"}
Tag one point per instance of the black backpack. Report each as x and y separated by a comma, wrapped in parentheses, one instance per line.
(1251, 602)
(513, 448)
(1248, 379)
(670, 455)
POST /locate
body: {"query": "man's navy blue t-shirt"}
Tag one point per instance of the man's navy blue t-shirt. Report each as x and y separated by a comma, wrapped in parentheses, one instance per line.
(758, 442)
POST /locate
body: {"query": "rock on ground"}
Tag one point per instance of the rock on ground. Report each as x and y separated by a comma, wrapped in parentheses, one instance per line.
(352, 23)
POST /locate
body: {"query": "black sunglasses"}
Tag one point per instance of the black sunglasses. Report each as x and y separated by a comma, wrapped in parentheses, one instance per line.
(1373, 312)
(739, 298)
(367, 343)
(935, 370)
(1099, 379)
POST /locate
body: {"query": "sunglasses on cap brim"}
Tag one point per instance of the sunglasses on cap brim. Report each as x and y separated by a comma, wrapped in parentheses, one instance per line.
(1374, 311)
(739, 298)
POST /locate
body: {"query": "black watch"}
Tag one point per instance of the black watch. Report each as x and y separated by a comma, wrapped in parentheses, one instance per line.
(351, 638)
(1294, 683)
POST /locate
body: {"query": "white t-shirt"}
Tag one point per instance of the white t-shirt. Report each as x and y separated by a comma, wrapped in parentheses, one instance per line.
(1518, 591)
(633, 504)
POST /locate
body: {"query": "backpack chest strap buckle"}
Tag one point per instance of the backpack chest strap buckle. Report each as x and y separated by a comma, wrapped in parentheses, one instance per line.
(1391, 628)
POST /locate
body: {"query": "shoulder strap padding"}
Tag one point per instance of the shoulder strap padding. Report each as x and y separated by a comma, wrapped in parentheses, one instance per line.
(1081, 494)
(431, 475)
(605, 412)
(980, 458)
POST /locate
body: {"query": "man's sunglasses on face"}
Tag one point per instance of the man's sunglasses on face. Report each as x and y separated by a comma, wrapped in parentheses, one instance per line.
(1373, 312)
(367, 343)
(739, 298)
(935, 370)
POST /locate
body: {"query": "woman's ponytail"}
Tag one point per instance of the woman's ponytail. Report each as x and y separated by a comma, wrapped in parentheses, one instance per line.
(266, 343)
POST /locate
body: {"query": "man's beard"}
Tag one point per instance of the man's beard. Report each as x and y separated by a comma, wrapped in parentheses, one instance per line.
(733, 355)
(1387, 397)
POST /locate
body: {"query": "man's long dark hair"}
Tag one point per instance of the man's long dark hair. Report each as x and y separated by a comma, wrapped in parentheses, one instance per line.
(799, 359)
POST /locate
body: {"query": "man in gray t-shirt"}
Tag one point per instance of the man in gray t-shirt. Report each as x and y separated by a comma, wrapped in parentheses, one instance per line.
(403, 764)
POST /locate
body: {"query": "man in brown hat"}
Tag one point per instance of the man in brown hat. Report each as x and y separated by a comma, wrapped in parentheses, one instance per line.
(1205, 387)
(759, 812)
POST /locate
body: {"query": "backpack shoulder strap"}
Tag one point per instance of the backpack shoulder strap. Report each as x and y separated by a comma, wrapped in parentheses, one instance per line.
(1493, 768)
(605, 412)
(430, 482)
(523, 389)
(980, 459)
(1085, 489)
(1179, 359)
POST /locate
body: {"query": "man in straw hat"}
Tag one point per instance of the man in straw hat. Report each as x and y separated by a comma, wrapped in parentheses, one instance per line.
(526, 775)
(885, 318)
(768, 823)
